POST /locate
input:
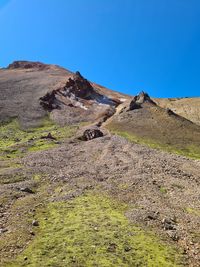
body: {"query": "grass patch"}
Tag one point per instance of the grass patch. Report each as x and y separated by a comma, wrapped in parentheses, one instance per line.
(15, 141)
(163, 190)
(12, 178)
(193, 211)
(92, 230)
(188, 151)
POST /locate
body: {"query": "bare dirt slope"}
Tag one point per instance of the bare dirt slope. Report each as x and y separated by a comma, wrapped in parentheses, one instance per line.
(186, 107)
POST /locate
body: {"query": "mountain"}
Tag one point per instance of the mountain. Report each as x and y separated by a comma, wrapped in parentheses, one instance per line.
(94, 177)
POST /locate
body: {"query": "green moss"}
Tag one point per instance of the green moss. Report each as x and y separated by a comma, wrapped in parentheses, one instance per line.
(163, 190)
(12, 178)
(89, 231)
(15, 141)
(37, 177)
(188, 151)
(192, 211)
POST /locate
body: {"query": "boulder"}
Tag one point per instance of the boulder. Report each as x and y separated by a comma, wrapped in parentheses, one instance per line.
(90, 134)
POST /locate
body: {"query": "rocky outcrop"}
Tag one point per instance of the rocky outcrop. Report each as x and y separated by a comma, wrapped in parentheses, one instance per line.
(139, 99)
(77, 92)
(79, 87)
(49, 101)
(27, 65)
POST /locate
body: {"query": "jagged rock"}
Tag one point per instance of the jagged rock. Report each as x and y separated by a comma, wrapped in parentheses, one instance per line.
(48, 136)
(79, 87)
(74, 94)
(49, 101)
(90, 134)
(138, 100)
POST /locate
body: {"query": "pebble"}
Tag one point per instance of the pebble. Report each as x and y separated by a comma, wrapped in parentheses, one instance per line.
(3, 230)
(35, 223)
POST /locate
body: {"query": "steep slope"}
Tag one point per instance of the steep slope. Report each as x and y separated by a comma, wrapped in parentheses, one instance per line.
(144, 121)
(185, 107)
(23, 83)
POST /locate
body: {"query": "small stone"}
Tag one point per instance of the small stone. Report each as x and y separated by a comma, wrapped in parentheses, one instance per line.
(152, 215)
(32, 233)
(35, 223)
(127, 248)
(112, 247)
(26, 189)
(3, 230)
(168, 224)
(174, 235)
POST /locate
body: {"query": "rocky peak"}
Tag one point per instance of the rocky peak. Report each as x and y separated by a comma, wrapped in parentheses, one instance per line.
(79, 87)
(27, 65)
(139, 99)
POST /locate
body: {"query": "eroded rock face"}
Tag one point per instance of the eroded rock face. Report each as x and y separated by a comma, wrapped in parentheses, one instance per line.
(90, 134)
(79, 87)
(49, 101)
(77, 92)
(27, 65)
(138, 100)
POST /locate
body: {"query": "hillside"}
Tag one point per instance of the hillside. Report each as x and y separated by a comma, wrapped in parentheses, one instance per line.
(186, 107)
(157, 127)
(93, 177)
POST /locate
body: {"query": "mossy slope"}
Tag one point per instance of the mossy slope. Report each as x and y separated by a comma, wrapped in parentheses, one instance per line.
(89, 231)
(191, 151)
(15, 141)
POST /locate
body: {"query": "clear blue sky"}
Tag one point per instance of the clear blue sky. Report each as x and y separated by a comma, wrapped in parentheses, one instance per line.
(125, 45)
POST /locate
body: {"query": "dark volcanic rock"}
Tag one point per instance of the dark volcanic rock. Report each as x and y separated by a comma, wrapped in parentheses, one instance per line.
(49, 101)
(35, 223)
(48, 136)
(90, 134)
(138, 100)
(79, 87)
(27, 65)
(26, 189)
